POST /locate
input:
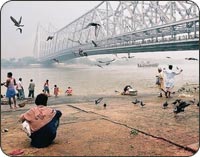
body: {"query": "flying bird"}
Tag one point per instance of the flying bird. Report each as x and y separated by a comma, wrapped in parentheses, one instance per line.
(92, 24)
(17, 23)
(165, 105)
(124, 57)
(55, 60)
(106, 61)
(98, 100)
(99, 65)
(20, 30)
(81, 53)
(95, 45)
(129, 56)
(78, 41)
(49, 38)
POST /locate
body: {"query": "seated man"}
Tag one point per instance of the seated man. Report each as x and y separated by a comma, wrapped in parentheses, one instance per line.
(128, 90)
(43, 122)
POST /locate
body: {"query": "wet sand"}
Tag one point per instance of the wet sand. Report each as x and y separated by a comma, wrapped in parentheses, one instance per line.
(120, 129)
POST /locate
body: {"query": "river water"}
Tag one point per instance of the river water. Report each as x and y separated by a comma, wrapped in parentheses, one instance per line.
(89, 79)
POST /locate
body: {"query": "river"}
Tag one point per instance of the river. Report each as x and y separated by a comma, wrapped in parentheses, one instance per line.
(90, 79)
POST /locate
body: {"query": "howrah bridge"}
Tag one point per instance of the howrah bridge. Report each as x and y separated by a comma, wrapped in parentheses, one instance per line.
(123, 27)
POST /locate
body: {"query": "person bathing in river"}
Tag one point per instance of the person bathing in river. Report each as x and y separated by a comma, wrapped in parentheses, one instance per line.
(69, 91)
(46, 88)
(56, 90)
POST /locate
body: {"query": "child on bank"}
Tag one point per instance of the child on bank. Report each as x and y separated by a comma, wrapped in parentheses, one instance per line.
(56, 90)
(69, 91)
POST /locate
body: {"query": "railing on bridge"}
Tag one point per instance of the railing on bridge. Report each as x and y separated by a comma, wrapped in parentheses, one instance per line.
(122, 23)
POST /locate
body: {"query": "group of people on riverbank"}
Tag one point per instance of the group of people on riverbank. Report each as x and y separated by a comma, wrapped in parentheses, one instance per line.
(56, 90)
(13, 86)
(16, 88)
(39, 122)
(165, 80)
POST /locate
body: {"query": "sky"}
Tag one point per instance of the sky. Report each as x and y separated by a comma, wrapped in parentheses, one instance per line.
(58, 13)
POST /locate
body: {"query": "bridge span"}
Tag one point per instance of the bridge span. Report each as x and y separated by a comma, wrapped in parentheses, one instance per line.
(123, 27)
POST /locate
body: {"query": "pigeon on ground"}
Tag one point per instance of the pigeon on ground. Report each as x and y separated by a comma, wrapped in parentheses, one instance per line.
(136, 101)
(176, 101)
(165, 105)
(192, 101)
(98, 100)
(142, 104)
(181, 107)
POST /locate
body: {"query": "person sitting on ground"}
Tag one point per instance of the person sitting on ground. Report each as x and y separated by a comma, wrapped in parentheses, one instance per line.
(43, 122)
(127, 90)
(69, 91)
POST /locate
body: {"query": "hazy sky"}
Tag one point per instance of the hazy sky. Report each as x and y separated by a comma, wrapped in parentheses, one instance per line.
(58, 13)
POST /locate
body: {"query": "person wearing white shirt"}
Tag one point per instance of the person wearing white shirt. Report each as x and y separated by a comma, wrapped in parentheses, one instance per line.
(169, 79)
(20, 89)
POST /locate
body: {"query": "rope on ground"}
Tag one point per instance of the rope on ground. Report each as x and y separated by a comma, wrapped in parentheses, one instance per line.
(157, 137)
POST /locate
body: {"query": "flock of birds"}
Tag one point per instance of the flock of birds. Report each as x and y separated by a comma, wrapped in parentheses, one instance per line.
(92, 24)
(179, 105)
(80, 51)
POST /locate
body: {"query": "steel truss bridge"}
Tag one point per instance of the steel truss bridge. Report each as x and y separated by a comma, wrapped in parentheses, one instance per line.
(125, 27)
